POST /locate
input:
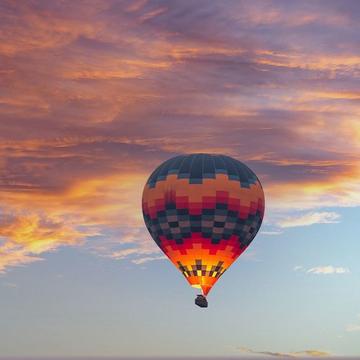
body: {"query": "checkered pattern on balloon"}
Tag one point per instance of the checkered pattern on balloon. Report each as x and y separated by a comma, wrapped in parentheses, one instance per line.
(203, 211)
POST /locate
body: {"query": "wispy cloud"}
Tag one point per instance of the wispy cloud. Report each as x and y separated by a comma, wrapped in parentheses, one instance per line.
(353, 327)
(146, 259)
(85, 210)
(25, 237)
(328, 270)
(310, 218)
(323, 270)
(10, 285)
(273, 232)
(298, 268)
(295, 354)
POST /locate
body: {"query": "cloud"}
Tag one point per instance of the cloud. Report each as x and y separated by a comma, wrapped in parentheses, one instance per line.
(43, 29)
(97, 209)
(298, 268)
(311, 353)
(323, 270)
(97, 95)
(251, 255)
(124, 253)
(10, 285)
(24, 236)
(147, 259)
(133, 244)
(326, 270)
(275, 232)
(353, 328)
(35, 232)
(310, 219)
(15, 257)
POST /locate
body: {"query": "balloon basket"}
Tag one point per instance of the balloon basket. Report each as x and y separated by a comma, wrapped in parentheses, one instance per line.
(201, 301)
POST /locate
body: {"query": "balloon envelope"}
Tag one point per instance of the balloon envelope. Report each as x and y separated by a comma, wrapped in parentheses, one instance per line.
(203, 211)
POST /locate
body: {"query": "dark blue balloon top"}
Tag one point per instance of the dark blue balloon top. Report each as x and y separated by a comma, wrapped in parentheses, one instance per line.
(197, 167)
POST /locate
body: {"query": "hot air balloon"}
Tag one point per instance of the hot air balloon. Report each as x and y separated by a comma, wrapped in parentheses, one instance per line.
(203, 211)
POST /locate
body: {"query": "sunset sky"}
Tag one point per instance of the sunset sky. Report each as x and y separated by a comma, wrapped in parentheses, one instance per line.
(95, 94)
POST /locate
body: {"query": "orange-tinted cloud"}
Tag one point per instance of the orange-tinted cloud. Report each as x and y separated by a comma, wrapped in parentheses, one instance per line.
(95, 95)
(27, 235)
(294, 354)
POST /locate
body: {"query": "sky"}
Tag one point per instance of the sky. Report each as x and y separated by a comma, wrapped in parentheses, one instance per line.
(95, 94)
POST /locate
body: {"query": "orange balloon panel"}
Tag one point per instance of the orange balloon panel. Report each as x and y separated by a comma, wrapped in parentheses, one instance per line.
(203, 211)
